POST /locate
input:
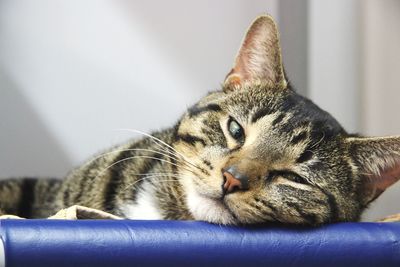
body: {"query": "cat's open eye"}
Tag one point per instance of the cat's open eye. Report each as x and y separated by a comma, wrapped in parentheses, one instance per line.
(291, 176)
(235, 130)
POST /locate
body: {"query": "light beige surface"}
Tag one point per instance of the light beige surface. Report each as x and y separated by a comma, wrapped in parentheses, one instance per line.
(75, 212)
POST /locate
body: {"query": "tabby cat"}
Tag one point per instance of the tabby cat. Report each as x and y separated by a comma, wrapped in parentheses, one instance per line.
(253, 152)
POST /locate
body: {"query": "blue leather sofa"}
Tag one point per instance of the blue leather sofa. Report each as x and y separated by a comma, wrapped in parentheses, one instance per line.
(59, 243)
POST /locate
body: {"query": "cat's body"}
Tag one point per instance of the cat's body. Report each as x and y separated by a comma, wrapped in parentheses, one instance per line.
(126, 188)
(254, 152)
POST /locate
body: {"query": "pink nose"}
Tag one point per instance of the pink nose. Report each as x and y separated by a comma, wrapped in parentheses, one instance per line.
(234, 181)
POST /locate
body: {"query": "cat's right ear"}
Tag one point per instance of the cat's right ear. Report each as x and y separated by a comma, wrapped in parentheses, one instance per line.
(376, 160)
(259, 59)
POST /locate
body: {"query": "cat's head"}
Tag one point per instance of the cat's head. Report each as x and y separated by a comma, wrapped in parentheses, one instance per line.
(260, 152)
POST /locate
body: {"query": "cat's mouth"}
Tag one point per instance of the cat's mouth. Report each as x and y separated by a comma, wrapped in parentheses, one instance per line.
(210, 207)
(221, 209)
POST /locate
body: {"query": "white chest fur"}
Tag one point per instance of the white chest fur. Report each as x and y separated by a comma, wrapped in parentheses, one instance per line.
(145, 207)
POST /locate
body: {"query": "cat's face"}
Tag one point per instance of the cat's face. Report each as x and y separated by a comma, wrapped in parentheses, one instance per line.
(259, 152)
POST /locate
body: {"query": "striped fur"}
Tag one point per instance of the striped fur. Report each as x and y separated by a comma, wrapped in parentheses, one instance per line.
(302, 166)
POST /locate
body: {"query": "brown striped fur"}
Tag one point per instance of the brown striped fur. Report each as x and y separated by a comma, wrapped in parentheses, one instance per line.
(302, 167)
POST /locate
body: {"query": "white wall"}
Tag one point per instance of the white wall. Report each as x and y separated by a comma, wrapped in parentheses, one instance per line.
(294, 34)
(381, 84)
(381, 66)
(73, 71)
(334, 68)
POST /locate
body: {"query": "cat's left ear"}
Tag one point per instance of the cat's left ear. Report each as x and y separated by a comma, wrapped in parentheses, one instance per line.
(377, 162)
(259, 58)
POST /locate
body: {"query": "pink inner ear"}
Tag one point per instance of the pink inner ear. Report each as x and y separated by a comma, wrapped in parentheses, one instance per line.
(244, 68)
(379, 183)
(388, 177)
(259, 58)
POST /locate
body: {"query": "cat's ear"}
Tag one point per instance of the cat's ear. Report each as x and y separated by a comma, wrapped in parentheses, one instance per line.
(377, 162)
(259, 58)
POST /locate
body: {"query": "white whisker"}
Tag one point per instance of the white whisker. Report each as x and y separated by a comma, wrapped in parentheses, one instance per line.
(323, 136)
(135, 157)
(132, 149)
(159, 142)
(149, 177)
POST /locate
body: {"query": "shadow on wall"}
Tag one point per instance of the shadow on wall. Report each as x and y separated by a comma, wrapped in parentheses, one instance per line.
(38, 152)
(185, 38)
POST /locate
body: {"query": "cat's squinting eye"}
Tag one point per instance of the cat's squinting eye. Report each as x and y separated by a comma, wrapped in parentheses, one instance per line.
(235, 130)
(291, 176)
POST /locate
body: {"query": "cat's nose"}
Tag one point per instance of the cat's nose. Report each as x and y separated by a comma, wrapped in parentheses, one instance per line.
(234, 180)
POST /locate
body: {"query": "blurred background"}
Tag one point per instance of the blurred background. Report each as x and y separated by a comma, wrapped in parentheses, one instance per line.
(71, 72)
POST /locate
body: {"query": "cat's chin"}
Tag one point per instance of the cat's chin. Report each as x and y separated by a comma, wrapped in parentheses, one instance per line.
(204, 208)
